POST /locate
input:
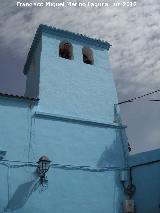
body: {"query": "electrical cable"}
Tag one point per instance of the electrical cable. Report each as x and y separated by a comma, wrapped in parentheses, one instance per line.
(60, 166)
(138, 97)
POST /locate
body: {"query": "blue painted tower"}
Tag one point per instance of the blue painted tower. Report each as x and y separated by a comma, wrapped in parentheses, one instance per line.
(68, 115)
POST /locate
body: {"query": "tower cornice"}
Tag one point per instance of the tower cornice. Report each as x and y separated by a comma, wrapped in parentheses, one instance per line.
(59, 32)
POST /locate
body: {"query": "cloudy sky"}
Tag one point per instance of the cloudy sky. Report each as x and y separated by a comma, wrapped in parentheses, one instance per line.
(134, 33)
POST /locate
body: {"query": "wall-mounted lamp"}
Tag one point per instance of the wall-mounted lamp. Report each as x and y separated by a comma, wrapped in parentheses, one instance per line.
(43, 167)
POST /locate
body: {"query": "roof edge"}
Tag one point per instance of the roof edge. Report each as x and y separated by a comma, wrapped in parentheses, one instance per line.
(52, 30)
(19, 97)
(144, 157)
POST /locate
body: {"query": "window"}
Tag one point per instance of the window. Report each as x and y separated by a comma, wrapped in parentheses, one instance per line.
(87, 55)
(66, 50)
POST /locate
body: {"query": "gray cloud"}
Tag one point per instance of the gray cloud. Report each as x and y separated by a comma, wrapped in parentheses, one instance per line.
(133, 32)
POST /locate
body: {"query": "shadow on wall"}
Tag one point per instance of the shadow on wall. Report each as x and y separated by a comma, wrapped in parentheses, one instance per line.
(113, 157)
(110, 156)
(21, 195)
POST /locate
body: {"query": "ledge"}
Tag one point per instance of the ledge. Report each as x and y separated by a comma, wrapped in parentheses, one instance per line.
(143, 158)
(82, 121)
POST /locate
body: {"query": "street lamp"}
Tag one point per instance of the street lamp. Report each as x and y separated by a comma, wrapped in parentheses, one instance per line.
(43, 167)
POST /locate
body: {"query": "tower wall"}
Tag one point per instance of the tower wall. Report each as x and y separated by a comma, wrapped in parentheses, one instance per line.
(72, 124)
(72, 88)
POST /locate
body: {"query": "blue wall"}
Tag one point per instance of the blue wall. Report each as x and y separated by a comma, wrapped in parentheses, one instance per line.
(27, 135)
(72, 124)
(146, 177)
(73, 88)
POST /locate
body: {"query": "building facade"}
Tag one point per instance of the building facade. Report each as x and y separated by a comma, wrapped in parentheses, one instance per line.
(145, 171)
(68, 114)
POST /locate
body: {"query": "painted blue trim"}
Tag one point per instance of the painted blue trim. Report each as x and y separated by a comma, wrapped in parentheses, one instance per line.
(144, 157)
(78, 120)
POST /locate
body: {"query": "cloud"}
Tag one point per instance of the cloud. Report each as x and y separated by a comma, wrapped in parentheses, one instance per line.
(134, 33)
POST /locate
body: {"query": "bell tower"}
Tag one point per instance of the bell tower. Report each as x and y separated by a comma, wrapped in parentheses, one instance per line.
(71, 75)
(74, 122)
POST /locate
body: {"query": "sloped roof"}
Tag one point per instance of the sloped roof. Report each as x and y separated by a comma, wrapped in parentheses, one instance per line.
(59, 32)
(18, 96)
